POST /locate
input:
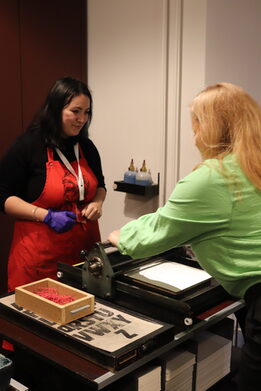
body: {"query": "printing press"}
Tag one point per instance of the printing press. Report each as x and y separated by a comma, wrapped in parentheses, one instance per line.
(140, 305)
(146, 285)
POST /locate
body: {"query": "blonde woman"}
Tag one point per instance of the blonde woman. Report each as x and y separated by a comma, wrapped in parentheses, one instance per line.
(217, 209)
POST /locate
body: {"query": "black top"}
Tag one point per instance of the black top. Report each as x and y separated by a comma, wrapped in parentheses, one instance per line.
(23, 168)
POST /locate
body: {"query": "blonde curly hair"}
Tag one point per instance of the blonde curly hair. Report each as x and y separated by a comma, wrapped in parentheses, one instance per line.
(225, 119)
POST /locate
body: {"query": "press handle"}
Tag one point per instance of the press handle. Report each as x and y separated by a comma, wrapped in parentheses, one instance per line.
(106, 244)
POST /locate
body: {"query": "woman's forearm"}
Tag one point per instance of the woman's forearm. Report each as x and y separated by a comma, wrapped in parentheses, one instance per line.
(20, 209)
(100, 195)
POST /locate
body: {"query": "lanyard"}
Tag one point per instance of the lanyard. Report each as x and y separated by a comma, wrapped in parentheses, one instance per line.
(79, 177)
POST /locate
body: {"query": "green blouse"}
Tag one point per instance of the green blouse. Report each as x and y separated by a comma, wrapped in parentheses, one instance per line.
(217, 211)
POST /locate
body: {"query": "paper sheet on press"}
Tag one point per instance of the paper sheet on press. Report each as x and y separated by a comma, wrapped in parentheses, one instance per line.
(173, 274)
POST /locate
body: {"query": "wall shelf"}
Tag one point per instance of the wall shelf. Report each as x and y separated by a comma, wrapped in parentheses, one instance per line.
(150, 190)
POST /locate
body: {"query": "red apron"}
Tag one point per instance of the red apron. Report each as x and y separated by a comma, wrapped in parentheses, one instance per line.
(36, 248)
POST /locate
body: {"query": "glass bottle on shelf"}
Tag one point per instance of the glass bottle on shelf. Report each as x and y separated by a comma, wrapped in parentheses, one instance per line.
(130, 174)
(143, 177)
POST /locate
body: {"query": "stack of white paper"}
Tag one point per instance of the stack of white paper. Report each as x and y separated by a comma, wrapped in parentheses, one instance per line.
(213, 359)
(149, 379)
(16, 386)
(146, 378)
(179, 365)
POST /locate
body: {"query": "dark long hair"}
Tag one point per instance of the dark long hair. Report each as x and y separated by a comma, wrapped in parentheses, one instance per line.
(48, 119)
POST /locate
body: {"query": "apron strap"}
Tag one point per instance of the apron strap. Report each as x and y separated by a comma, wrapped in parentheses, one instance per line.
(50, 154)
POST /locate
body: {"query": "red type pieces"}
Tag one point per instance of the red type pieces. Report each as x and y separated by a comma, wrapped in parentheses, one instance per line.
(53, 295)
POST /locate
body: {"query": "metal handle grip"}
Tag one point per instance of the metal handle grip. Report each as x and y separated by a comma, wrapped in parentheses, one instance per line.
(84, 307)
(106, 244)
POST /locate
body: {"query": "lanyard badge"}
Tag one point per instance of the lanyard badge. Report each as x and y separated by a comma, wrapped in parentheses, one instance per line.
(68, 165)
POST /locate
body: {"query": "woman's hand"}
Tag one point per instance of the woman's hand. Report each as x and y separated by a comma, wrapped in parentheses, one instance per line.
(92, 211)
(114, 237)
(60, 220)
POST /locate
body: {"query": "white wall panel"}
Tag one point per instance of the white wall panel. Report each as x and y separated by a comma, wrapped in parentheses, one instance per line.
(233, 44)
(192, 77)
(147, 59)
(127, 70)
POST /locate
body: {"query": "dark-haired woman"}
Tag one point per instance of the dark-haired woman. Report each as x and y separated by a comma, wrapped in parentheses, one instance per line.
(51, 182)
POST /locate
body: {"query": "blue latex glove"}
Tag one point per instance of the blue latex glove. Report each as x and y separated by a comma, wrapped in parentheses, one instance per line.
(60, 220)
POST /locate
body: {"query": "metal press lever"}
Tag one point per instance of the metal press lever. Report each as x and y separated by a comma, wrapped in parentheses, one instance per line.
(95, 262)
(97, 270)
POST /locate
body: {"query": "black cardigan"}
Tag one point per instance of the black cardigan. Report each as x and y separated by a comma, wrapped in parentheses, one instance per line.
(23, 168)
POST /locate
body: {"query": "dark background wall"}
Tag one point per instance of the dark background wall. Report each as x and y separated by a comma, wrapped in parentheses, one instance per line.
(40, 41)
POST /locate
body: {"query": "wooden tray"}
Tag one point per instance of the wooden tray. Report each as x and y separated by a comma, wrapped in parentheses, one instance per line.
(82, 305)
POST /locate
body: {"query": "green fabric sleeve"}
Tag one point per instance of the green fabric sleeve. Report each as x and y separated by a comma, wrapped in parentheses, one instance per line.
(199, 206)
